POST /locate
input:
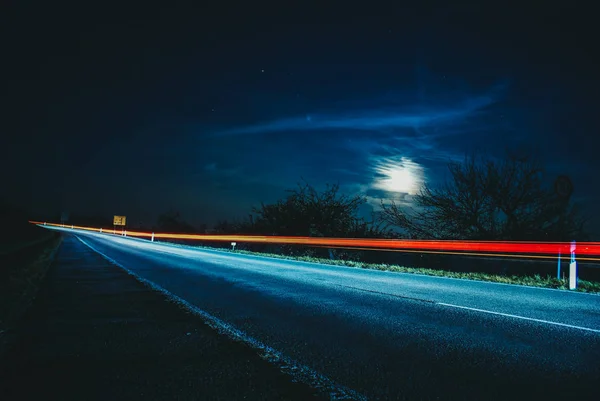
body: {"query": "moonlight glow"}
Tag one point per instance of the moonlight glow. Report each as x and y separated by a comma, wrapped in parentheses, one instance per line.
(403, 176)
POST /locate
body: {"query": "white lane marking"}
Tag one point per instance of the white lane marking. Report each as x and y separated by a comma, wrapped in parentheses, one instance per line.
(296, 370)
(475, 309)
(520, 317)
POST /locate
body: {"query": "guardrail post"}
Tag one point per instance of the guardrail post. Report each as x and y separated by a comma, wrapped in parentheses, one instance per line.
(100, 229)
(152, 239)
(125, 233)
(573, 269)
(71, 226)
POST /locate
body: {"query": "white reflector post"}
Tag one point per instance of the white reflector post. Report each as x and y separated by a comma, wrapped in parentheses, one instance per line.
(233, 246)
(573, 269)
(573, 275)
(152, 240)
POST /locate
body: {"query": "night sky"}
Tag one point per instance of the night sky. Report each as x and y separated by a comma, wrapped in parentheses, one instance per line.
(210, 111)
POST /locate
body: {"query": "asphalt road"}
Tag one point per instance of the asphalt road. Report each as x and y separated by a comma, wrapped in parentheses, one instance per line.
(387, 335)
(95, 333)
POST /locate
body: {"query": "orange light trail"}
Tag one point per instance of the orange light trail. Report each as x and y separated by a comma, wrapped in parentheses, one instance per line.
(500, 255)
(474, 248)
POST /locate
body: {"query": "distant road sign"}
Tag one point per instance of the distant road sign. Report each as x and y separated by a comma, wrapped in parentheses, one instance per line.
(119, 220)
(563, 186)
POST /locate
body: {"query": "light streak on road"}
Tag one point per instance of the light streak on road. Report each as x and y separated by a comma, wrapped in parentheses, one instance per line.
(500, 255)
(473, 248)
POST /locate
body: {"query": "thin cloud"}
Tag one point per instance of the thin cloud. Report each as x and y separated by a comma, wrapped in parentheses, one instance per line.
(384, 153)
(375, 120)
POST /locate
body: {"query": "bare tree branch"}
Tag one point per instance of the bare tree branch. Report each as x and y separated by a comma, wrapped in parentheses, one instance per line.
(489, 200)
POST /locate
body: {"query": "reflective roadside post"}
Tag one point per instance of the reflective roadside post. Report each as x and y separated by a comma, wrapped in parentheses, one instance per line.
(100, 229)
(573, 269)
(563, 187)
(233, 246)
(152, 239)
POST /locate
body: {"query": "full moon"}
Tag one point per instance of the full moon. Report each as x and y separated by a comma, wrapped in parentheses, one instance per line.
(400, 180)
(402, 176)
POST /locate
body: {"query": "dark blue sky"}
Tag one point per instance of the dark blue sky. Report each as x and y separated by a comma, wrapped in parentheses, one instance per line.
(210, 111)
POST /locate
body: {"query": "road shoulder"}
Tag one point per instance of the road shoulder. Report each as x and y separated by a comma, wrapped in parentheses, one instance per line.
(95, 332)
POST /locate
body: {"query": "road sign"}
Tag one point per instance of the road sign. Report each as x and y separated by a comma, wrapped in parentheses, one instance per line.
(119, 220)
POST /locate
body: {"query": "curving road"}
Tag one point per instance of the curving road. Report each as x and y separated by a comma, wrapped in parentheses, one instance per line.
(387, 335)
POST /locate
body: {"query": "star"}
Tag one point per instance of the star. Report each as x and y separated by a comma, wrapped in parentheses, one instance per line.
(262, 70)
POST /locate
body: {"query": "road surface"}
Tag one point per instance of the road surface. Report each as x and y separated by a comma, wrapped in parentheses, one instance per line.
(95, 333)
(386, 335)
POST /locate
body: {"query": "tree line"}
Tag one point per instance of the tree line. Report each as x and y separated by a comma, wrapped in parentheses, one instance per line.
(484, 199)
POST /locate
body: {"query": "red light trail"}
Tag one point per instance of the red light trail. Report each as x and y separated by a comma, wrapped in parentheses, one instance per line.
(474, 248)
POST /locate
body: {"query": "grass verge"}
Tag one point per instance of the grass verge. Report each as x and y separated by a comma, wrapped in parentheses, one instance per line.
(25, 271)
(533, 281)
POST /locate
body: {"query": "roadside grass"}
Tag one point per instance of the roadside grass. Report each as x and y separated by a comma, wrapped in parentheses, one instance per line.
(11, 247)
(533, 281)
(22, 278)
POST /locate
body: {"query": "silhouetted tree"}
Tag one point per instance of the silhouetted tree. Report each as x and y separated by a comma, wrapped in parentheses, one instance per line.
(226, 227)
(490, 200)
(308, 212)
(171, 221)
